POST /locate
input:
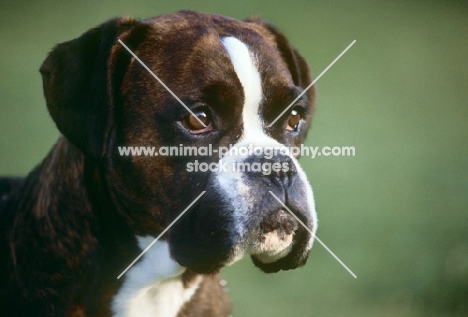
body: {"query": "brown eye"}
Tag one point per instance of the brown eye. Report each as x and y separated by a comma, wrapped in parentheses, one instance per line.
(195, 127)
(293, 120)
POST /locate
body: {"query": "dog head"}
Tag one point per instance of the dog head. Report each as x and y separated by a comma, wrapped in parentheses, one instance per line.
(236, 77)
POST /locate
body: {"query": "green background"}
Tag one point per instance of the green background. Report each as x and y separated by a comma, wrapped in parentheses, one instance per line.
(396, 213)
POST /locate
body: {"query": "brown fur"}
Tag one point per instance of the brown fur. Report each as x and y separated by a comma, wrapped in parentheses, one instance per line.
(68, 229)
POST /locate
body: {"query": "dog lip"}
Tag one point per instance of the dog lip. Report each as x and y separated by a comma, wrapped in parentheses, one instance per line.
(281, 221)
(282, 242)
(273, 239)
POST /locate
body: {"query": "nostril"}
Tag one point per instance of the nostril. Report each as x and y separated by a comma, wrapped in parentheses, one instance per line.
(278, 165)
(279, 169)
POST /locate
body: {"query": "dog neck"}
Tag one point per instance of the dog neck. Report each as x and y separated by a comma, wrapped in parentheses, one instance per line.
(87, 243)
(156, 285)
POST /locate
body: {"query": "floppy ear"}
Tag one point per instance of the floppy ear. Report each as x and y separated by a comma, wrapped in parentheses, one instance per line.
(77, 85)
(296, 64)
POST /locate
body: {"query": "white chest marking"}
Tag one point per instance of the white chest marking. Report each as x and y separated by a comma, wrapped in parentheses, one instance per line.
(153, 286)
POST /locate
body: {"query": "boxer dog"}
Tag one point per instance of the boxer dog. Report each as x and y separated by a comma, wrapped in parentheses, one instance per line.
(86, 212)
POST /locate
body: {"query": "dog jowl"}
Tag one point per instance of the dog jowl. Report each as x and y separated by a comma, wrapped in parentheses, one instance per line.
(85, 213)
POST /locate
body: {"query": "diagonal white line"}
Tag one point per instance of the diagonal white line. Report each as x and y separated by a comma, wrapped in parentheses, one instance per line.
(320, 241)
(312, 83)
(161, 82)
(161, 234)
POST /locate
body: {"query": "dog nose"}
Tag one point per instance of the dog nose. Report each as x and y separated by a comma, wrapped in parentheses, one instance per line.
(279, 169)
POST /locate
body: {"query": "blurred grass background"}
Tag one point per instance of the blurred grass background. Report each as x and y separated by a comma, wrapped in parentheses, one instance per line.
(396, 213)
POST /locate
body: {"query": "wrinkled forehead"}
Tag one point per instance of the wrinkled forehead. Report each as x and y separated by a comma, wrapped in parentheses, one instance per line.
(194, 39)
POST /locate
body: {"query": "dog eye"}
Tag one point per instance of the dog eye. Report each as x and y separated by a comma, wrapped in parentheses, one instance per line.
(293, 120)
(194, 126)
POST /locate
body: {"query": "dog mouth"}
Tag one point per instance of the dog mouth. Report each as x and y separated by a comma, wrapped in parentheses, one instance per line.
(273, 239)
(276, 233)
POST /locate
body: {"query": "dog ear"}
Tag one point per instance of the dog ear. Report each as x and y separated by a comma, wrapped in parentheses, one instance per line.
(297, 65)
(77, 85)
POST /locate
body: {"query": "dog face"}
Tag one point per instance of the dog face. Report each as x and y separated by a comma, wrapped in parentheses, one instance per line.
(237, 77)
